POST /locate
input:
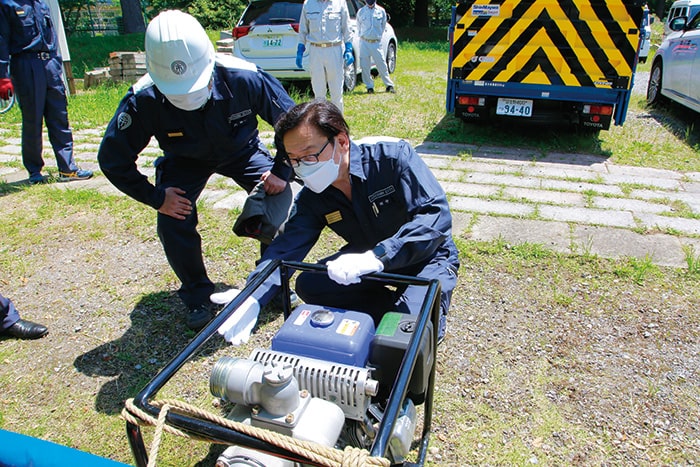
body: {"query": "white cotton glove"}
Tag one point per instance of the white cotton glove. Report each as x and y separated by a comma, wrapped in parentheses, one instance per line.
(224, 298)
(347, 269)
(238, 327)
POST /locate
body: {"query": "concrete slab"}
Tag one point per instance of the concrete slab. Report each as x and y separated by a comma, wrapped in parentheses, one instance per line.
(587, 216)
(632, 205)
(485, 206)
(544, 196)
(469, 189)
(619, 243)
(553, 235)
(678, 224)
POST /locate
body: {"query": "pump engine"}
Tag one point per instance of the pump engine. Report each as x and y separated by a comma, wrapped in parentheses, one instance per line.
(326, 378)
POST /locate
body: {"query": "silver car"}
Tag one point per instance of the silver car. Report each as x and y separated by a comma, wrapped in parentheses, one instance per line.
(267, 35)
(675, 72)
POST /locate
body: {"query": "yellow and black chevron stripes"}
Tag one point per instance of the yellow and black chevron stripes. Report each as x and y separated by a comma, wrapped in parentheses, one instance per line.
(572, 43)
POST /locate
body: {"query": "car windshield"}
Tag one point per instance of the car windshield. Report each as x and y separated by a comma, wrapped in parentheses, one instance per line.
(272, 13)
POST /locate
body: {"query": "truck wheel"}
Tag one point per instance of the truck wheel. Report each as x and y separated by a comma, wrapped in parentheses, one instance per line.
(654, 96)
(350, 77)
(391, 57)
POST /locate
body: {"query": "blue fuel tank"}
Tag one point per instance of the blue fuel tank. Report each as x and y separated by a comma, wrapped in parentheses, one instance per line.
(326, 333)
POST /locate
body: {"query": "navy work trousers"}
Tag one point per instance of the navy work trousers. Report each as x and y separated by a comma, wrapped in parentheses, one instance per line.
(8, 313)
(41, 95)
(181, 241)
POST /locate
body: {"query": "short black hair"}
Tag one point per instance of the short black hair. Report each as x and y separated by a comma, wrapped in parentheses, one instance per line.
(320, 113)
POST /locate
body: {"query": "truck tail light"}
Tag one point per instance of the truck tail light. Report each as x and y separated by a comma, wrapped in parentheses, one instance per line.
(471, 100)
(295, 26)
(596, 109)
(240, 31)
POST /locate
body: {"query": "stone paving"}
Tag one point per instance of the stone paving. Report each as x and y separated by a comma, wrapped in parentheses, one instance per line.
(572, 203)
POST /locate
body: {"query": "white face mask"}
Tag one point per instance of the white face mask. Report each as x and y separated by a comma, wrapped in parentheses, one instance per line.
(319, 176)
(192, 101)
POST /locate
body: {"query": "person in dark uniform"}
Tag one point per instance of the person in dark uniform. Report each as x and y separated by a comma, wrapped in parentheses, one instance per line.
(203, 109)
(13, 326)
(31, 67)
(380, 197)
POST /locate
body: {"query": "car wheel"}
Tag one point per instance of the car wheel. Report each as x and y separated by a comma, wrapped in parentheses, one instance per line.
(350, 77)
(391, 57)
(654, 86)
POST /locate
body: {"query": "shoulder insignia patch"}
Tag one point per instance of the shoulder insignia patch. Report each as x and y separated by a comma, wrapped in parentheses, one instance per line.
(123, 121)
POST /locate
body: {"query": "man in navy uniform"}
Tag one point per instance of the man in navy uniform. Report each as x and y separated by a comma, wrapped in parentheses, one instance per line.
(202, 108)
(380, 197)
(31, 66)
(13, 326)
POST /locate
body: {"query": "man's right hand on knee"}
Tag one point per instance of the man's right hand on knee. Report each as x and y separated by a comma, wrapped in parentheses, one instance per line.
(175, 205)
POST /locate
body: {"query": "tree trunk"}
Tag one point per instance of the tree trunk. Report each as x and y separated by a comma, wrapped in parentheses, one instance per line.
(132, 16)
(420, 14)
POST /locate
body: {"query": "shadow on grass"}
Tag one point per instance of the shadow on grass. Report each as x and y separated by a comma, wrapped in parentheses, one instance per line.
(530, 142)
(157, 334)
(683, 122)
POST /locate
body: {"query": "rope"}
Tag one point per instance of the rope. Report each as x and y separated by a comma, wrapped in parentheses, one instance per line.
(155, 445)
(317, 453)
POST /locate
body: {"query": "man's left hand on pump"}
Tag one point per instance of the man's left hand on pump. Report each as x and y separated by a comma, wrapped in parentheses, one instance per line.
(175, 205)
(272, 183)
(347, 268)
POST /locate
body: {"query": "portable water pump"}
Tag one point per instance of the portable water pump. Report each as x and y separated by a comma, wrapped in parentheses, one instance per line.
(329, 376)
(325, 379)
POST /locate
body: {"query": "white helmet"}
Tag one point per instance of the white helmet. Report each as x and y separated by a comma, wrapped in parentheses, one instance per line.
(179, 54)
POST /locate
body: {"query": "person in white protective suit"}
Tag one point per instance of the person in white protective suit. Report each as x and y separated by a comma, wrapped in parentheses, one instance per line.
(324, 26)
(371, 21)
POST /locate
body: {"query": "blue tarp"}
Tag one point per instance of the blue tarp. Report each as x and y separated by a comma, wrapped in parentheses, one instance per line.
(24, 451)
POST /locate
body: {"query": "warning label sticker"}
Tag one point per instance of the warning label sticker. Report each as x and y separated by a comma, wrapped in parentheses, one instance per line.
(302, 317)
(348, 327)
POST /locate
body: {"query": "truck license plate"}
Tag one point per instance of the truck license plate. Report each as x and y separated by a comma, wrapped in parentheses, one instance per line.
(514, 107)
(272, 42)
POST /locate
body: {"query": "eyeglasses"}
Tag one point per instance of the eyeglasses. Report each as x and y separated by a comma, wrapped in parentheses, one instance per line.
(310, 159)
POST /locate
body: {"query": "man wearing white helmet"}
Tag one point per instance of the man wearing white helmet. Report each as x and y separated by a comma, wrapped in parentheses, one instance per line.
(202, 108)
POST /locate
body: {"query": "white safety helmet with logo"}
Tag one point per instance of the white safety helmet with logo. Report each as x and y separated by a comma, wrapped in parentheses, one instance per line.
(180, 58)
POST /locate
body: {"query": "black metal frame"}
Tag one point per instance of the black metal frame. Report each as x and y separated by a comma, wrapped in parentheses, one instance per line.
(207, 429)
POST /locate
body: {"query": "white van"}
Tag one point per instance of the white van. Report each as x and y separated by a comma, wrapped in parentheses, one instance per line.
(687, 8)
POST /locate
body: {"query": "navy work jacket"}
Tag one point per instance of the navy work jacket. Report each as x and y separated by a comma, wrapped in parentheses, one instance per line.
(226, 127)
(396, 202)
(25, 26)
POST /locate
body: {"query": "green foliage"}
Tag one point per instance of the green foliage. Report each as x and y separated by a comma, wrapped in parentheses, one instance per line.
(215, 14)
(88, 53)
(400, 12)
(212, 14)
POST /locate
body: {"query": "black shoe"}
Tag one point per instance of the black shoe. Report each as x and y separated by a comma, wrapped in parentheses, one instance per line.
(199, 316)
(370, 91)
(24, 329)
(37, 178)
(390, 89)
